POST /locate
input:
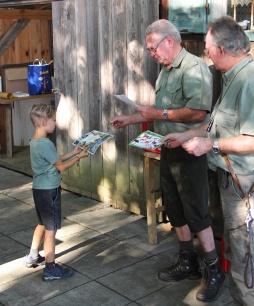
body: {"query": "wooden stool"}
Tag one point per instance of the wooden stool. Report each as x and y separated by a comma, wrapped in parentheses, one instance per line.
(153, 208)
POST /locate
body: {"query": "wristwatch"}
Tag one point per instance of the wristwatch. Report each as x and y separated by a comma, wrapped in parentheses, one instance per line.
(216, 148)
(165, 114)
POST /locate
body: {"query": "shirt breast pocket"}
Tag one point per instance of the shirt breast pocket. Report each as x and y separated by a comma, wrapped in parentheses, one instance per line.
(227, 119)
(173, 96)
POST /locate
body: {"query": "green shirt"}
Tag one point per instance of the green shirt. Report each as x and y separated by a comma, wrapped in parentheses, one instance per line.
(234, 115)
(188, 83)
(43, 155)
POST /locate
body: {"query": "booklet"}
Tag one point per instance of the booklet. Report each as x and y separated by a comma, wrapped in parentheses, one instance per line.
(92, 140)
(147, 140)
(127, 100)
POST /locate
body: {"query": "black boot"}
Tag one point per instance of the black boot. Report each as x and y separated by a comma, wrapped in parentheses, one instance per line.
(186, 267)
(212, 279)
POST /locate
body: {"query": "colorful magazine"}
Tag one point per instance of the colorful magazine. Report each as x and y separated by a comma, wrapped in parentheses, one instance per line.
(92, 140)
(147, 140)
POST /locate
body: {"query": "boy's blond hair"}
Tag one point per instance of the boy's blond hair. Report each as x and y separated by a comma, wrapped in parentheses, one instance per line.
(41, 111)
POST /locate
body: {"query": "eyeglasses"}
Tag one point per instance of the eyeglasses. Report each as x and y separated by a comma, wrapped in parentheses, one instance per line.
(154, 48)
(206, 50)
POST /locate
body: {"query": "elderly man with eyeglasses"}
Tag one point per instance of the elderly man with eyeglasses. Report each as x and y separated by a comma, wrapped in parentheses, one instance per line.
(183, 102)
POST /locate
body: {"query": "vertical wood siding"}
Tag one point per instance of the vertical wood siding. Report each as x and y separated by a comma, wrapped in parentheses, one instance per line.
(99, 51)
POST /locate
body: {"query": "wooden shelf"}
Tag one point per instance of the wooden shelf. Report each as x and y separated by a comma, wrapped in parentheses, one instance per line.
(31, 97)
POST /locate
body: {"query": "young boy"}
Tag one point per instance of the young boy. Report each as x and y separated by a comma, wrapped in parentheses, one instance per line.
(47, 165)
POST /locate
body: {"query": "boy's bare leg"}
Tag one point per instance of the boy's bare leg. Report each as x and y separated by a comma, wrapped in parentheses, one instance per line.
(34, 258)
(49, 245)
(37, 237)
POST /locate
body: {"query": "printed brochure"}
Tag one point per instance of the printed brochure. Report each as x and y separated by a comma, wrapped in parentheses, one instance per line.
(147, 140)
(92, 140)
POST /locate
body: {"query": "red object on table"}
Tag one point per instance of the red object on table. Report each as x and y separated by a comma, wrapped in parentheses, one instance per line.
(225, 264)
(144, 128)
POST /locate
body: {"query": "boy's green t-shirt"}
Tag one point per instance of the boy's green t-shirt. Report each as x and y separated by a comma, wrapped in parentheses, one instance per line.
(43, 155)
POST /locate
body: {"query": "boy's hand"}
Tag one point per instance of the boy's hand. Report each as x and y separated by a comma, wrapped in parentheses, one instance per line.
(83, 153)
(77, 149)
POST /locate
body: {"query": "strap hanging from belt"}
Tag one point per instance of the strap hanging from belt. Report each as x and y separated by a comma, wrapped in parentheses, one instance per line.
(233, 174)
(249, 264)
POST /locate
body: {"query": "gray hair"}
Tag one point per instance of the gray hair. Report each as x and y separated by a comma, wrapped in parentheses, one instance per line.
(40, 111)
(226, 32)
(164, 28)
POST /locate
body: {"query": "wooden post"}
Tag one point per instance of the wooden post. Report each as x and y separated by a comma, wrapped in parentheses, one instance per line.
(8, 126)
(251, 15)
(234, 9)
(164, 9)
(150, 201)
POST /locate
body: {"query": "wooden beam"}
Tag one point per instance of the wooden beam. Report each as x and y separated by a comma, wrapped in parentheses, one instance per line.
(9, 36)
(26, 14)
(9, 4)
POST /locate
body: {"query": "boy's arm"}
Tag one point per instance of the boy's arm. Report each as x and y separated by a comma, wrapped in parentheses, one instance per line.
(66, 161)
(69, 155)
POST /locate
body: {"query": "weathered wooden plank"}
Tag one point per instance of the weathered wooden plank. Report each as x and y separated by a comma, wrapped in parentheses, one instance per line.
(134, 64)
(59, 70)
(149, 13)
(67, 111)
(26, 14)
(2, 128)
(120, 87)
(10, 35)
(106, 83)
(82, 81)
(94, 88)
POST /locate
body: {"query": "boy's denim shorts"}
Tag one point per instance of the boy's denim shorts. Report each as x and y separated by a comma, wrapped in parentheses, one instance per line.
(48, 207)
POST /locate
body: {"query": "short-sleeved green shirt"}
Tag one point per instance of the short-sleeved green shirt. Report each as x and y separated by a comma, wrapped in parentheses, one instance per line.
(43, 155)
(234, 115)
(188, 83)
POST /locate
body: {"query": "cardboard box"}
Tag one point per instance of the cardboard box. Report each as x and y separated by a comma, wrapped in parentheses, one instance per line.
(14, 77)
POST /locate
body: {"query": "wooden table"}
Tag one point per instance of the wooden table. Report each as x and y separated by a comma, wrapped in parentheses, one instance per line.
(8, 104)
(150, 159)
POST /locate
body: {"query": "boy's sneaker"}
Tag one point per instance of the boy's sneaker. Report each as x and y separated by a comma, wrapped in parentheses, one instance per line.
(57, 273)
(30, 262)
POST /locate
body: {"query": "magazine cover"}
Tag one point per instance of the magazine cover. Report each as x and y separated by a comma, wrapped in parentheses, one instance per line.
(92, 140)
(147, 140)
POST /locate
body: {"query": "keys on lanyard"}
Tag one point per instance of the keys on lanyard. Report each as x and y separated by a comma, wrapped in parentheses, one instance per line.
(210, 124)
(248, 219)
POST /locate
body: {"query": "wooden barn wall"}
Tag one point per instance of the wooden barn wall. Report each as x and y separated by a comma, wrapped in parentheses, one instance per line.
(99, 51)
(35, 41)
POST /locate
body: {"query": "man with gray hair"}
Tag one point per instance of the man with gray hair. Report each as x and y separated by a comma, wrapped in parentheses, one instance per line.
(228, 140)
(183, 102)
